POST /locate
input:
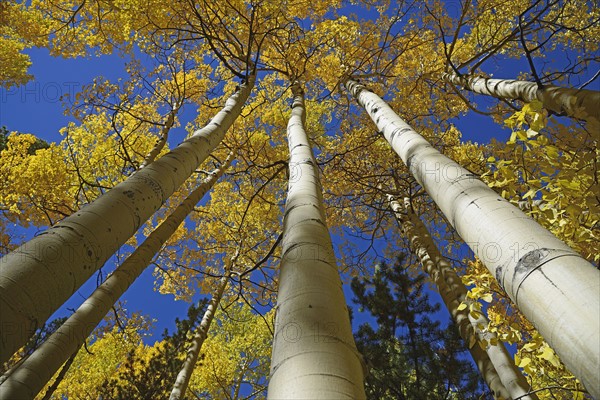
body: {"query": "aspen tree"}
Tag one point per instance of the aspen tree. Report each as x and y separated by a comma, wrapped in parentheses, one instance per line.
(553, 286)
(184, 375)
(495, 363)
(39, 276)
(314, 355)
(578, 103)
(31, 376)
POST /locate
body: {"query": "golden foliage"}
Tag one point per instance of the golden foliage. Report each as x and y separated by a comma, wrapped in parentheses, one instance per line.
(235, 353)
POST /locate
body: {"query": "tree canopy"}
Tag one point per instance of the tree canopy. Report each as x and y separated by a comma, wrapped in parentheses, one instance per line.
(192, 67)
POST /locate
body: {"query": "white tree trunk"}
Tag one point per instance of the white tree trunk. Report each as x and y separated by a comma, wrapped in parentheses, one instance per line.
(553, 286)
(31, 376)
(314, 355)
(580, 104)
(495, 363)
(184, 375)
(38, 277)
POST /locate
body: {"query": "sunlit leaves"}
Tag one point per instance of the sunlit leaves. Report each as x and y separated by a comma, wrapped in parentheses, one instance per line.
(557, 166)
(14, 62)
(531, 114)
(21, 28)
(236, 354)
(100, 360)
(50, 199)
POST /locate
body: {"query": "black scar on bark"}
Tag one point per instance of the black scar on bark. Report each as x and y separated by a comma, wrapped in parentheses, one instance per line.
(533, 261)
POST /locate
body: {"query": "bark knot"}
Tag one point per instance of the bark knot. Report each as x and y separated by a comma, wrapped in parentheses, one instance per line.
(532, 261)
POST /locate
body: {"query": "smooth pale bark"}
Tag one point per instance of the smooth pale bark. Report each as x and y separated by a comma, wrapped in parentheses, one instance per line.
(578, 103)
(184, 375)
(31, 376)
(314, 355)
(495, 363)
(553, 286)
(38, 277)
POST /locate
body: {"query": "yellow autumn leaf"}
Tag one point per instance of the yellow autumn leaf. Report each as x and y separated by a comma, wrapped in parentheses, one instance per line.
(487, 297)
(525, 361)
(549, 355)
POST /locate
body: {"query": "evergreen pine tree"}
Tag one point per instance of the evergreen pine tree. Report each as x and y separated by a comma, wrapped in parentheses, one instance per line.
(410, 356)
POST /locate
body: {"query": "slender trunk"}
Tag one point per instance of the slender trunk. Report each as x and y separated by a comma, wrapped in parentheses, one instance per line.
(38, 277)
(162, 140)
(27, 380)
(238, 384)
(495, 363)
(314, 355)
(184, 375)
(553, 286)
(577, 103)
